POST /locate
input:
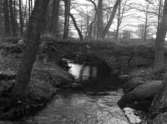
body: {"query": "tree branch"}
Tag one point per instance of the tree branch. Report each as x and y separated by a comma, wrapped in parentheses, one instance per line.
(111, 18)
(76, 26)
(94, 4)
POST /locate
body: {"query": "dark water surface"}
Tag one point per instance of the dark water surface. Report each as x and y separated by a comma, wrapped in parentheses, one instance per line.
(81, 108)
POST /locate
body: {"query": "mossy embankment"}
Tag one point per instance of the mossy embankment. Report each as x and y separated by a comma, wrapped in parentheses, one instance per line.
(119, 56)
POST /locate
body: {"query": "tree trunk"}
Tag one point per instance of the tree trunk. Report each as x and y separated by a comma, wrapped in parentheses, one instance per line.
(118, 21)
(99, 20)
(146, 24)
(13, 22)
(55, 17)
(35, 26)
(87, 26)
(158, 109)
(160, 11)
(66, 15)
(15, 17)
(92, 26)
(159, 42)
(21, 17)
(106, 29)
(76, 27)
(6, 17)
(25, 13)
(30, 7)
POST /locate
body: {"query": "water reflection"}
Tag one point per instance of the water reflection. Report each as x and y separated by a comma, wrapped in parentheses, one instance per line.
(82, 109)
(75, 69)
(82, 72)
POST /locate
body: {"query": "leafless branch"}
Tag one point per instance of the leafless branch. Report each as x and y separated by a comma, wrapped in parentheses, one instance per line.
(94, 4)
(149, 1)
(76, 26)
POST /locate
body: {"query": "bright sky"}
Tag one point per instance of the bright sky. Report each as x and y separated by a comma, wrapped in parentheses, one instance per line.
(82, 7)
(130, 22)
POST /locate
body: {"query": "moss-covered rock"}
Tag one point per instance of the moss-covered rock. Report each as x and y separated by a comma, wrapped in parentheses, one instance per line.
(141, 97)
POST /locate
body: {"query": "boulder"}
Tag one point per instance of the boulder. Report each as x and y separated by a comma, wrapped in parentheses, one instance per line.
(137, 77)
(132, 83)
(141, 97)
(55, 74)
(147, 90)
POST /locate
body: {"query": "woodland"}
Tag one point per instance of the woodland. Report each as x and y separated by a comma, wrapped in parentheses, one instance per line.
(83, 61)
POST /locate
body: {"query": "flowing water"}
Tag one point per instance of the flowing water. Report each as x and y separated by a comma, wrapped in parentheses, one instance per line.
(70, 107)
(75, 70)
(85, 107)
(81, 108)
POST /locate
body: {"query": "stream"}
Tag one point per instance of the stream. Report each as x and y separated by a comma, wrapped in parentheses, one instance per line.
(69, 107)
(81, 108)
(86, 107)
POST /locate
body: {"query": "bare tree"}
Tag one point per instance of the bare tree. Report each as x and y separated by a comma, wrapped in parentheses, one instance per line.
(99, 20)
(159, 42)
(12, 17)
(111, 18)
(91, 28)
(76, 26)
(99, 29)
(54, 17)
(146, 23)
(118, 20)
(160, 6)
(30, 7)
(158, 108)
(21, 17)
(66, 15)
(35, 26)
(120, 16)
(152, 10)
(6, 16)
